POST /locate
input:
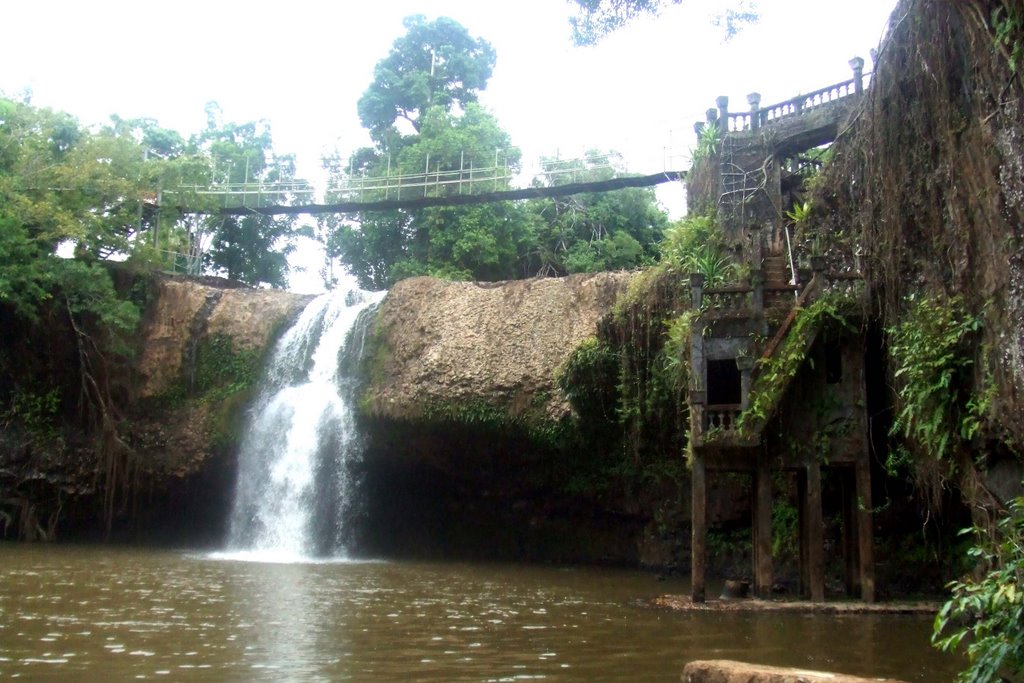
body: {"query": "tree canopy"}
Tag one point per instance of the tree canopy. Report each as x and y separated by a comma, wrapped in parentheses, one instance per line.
(435, 64)
(598, 18)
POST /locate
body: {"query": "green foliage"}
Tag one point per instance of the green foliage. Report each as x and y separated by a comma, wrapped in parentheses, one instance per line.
(594, 232)
(588, 378)
(800, 213)
(785, 530)
(435, 64)
(430, 80)
(1008, 22)
(253, 248)
(931, 354)
(36, 410)
(777, 371)
(598, 18)
(218, 372)
(695, 245)
(988, 613)
(708, 143)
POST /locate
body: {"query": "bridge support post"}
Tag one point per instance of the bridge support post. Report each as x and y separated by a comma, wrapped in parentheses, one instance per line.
(814, 533)
(699, 538)
(865, 531)
(762, 527)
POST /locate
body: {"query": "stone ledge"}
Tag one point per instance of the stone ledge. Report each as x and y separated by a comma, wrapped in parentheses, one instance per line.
(727, 671)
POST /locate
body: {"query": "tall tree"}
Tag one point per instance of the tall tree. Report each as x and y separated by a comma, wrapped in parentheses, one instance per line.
(475, 242)
(252, 248)
(435, 64)
(599, 231)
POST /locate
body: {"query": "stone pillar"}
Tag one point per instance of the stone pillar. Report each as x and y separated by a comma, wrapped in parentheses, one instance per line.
(815, 539)
(696, 290)
(865, 530)
(756, 248)
(757, 295)
(723, 113)
(857, 64)
(754, 100)
(762, 527)
(745, 364)
(850, 562)
(801, 505)
(699, 538)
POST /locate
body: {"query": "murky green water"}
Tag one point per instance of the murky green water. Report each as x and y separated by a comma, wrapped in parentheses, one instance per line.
(87, 613)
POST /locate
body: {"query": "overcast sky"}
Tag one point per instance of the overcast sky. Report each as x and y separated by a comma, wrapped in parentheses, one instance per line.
(303, 64)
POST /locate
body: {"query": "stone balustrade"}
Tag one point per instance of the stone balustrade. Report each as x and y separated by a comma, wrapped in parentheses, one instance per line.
(728, 299)
(759, 116)
(723, 419)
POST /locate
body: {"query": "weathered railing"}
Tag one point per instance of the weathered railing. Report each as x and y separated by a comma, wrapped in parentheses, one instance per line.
(734, 298)
(781, 296)
(723, 418)
(759, 116)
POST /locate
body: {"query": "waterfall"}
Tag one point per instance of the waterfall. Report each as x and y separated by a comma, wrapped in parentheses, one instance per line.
(293, 485)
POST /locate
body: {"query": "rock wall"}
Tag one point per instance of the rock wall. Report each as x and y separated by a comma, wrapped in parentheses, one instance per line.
(444, 343)
(928, 180)
(182, 312)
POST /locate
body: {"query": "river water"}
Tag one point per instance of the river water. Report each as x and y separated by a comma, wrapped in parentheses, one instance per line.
(89, 613)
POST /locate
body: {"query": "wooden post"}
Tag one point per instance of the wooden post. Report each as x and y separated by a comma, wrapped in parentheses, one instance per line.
(804, 590)
(699, 538)
(850, 535)
(763, 528)
(815, 534)
(865, 531)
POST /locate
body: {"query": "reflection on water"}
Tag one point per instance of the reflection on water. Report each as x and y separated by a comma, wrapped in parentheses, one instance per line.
(121, 614)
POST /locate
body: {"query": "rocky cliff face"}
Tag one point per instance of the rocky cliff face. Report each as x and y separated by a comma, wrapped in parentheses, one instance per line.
(444, 345)
(928, 179)
(182, 313)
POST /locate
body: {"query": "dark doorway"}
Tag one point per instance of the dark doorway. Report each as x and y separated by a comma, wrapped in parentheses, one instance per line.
(723, 382)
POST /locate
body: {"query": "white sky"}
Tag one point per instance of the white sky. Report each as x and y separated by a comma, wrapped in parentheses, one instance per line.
(302, 65)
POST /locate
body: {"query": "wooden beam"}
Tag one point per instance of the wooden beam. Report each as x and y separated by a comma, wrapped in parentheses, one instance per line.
(815, 533)
(865, 530)
(699, 538)
(763, 578)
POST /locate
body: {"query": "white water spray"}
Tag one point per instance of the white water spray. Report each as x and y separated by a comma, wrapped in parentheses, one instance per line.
(293, 482)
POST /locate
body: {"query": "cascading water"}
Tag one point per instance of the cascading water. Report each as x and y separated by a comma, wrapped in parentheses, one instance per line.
(292, 496)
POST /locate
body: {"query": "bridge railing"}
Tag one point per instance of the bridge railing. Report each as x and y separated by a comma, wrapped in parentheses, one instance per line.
(759, 116)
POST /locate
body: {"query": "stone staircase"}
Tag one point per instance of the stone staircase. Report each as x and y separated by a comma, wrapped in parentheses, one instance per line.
(776, 270)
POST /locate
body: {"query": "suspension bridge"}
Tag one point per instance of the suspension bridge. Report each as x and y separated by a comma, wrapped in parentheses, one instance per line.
(443, 184)
(440, 186)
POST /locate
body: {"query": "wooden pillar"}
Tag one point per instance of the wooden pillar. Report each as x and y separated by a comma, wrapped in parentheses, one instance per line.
(801, 505)
(762, 528)
(865, 531)
(699, 538)
(815, 534)
(850, 535)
